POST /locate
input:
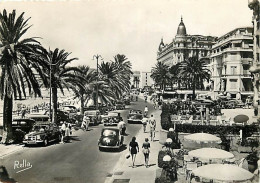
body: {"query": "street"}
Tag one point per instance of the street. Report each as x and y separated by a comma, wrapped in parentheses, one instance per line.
(78, 161)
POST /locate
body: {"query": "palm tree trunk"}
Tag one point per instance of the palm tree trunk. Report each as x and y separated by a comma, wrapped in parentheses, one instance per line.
(7, 117)
(54, 104)
(82, 105)
(193, 89)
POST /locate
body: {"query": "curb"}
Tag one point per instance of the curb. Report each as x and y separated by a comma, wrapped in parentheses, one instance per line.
(11, 152)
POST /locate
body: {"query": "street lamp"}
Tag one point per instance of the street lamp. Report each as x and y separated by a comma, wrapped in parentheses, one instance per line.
(97, 56)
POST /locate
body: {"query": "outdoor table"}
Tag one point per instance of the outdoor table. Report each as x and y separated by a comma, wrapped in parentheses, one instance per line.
(211, 155)
(223, 172)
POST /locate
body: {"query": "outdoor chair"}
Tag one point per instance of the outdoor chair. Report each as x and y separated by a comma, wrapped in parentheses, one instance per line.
(189, 167)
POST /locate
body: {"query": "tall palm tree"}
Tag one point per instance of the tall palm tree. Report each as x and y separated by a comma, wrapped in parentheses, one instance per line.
(161, 75)
(19, 64)
(85, 93)
(60, 75)
(111, 75)
(175, 74)
(196, 72)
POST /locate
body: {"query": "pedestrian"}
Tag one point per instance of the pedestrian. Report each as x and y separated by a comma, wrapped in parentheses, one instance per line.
(144, 121)
(70, 127)
(63, 128)
(146, 151)
(83, 125)
(121, 126)
(145, 111)
(134, 149)
(152, 123)
(23, 113)
(67, 133)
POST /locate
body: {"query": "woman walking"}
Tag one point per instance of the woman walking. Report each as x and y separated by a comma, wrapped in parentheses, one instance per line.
(146, 151)
(134, 149)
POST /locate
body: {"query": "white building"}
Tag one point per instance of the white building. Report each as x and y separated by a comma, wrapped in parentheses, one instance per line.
(146, 79)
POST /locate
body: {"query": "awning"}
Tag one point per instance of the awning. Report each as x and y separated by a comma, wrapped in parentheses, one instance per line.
(237, 41)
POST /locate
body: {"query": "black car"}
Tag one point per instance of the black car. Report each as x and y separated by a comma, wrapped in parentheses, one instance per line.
(62, 116)
(110, 138)
(22, 124)
(135, 116)
(42, 133)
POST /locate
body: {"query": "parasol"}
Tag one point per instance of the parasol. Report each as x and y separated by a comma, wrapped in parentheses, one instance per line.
(202, 137)
(211, 154)
(223, 172)
(241, 118)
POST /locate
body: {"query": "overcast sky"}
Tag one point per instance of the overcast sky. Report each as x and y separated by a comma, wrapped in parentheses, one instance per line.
(129, 27)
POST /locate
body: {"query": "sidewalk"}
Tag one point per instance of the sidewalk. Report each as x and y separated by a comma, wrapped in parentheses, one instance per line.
(6, 150)
(124, 173)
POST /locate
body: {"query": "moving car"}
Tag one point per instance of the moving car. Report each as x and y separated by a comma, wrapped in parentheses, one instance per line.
(94, 115)
(112, 118)
(110, 138)
(135, 116)
(119, 105)
(42, 133)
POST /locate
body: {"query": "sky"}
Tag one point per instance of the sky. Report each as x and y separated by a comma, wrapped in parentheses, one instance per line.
(130, 27)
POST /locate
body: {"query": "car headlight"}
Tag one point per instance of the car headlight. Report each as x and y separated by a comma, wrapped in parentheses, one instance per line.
(38, 137)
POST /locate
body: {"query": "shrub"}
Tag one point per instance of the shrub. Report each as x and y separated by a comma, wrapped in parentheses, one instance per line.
(162, 180)
(160, 158)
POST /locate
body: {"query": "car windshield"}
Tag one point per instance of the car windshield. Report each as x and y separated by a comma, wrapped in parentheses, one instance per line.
(107, 133)
(39, 128)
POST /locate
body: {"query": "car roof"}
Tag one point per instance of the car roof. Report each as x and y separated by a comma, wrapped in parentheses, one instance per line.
(115, 129)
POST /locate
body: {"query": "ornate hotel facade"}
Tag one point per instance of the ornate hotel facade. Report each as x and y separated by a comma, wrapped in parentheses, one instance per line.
(228, 57)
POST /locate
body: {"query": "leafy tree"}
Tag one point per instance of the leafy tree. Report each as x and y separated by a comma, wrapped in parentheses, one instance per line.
(195, 71)
(60, 75)
(19, 64)
(161, 75)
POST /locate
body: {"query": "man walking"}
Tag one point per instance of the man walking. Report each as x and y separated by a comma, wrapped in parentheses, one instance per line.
(152, 123)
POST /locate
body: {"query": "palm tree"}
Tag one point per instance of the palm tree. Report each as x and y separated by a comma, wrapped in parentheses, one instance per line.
(85, 93)
(19, 64)
(196, 72)
(111, 75)
(175, 74)
(60, 75)
(161, 75)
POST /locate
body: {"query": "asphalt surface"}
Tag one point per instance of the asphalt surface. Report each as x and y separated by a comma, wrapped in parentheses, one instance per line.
(78, 161)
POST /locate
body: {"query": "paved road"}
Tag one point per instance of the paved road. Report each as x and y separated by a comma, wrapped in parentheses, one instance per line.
(79, 161)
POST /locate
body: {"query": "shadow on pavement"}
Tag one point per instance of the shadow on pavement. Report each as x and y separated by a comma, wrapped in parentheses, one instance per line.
(4, 176)
(74, 138)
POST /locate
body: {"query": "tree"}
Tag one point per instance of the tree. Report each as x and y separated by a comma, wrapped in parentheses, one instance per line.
(175, 74)
(19, 64)
(195, 71)
(161, 75)
(85, 93)
(60, 75)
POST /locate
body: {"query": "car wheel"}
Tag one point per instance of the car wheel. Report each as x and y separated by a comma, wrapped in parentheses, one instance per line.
(59, 138)
(45, 142)
(100, 148)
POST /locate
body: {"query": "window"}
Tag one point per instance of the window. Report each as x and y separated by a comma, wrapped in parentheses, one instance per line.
(233, 83)
(233, 70)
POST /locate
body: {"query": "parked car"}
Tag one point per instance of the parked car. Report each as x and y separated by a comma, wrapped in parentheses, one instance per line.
(110, 138)
(120, 105)
(94, 115)
(70, 109)
(135, 116)
(22, 124)
(112, 118)
(42, 133)
(62, 116)
(39, 117)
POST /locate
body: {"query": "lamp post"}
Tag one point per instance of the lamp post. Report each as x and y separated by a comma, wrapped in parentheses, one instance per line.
(97, 56)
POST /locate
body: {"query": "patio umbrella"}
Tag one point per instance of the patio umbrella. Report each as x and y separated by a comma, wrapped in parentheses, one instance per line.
(202, 137)
(223, 172)
(211, 154)
(241, 118)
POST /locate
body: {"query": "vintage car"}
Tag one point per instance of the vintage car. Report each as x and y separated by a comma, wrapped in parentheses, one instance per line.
(110, 138)
(112, 118)
(71, 109)
(22, 124)
(119, 105)
(42, 133)
(94, 115)
(62, 116)
(39, 117)
(135, 116)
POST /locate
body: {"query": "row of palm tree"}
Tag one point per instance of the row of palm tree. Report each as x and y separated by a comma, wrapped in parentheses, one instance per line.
(189, 74)
(27, 67)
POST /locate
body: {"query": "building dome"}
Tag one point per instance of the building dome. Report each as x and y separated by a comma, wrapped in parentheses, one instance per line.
(181, 29)
(161, 46)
